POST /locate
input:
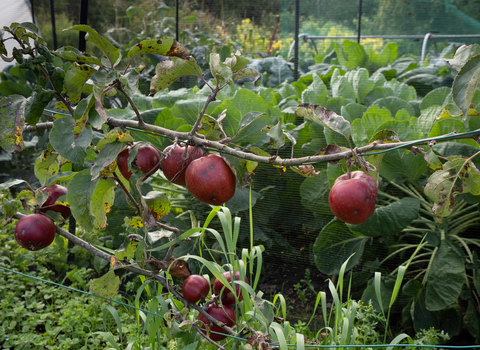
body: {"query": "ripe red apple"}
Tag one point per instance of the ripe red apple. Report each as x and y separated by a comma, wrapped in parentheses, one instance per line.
(224, 314)
(54, 192)
(195, 288)
(173, 162)
(210, 180)
(147, 160)
(35, 231)
(228, 298)
(353, 199)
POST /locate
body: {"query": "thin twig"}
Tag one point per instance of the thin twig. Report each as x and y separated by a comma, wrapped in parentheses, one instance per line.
(118, 85)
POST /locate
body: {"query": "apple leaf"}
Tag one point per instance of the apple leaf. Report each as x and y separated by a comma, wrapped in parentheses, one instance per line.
(66, 143)
(12, 109)
(76, 78)
(115, 135)
(465, 84)
(306, 170)
(73, 54)
(135, 222)
(390, 219)
(210, 128)
(325, 117)
(277, 136)
(164, 46)
(79, 196)
(60, 177)
(110, 51)
(462, 55)
(458, 175)
(36, 103)
(127, 253)
(447, 265)
(10, 183)
(432, 160)
(384, 135)
(168, 71)
(105, 286)
(220, 70)
(334, 245)
(237, 61)
(46, 165)
(105, 157)
(102, 200)
(158, 203)
(248, 73)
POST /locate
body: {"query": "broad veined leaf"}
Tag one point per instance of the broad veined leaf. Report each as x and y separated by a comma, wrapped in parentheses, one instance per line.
(315, 92)
(102, 200)
(110, 51)
(447, 266)
(343, 88)
(334, 245)
(168, 71)
(435, 97)
(465, 84)
(462, 55)
(188, 110)
(46, 165)
(237, 61)
(364, 128)
(36, 103)
(350, 54)
(362, 84)
(390, 219)
(79, 196)
(314, 194)
(427, 119)
(457, 176)
(220, 71)
(66, 143)
(105, 286)
(106, 157)
(248, 73)
(277, 136)
(73, 54)
(400, 165)
(325, 117)
(75, 79)
(394, 104)
(12, 109)
(158, 203)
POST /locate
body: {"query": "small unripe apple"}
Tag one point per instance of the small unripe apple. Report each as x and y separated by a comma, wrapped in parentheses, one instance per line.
(147, 161)
(175, 162)
(195, 288)
(35, 231)
(227, 296)
(352, 200)
(210, 180)
(224, 314)
(54, 192)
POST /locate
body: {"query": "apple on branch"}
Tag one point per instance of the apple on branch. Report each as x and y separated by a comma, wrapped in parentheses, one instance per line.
(352, 199)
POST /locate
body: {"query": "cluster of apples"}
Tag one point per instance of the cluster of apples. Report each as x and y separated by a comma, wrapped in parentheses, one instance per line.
(207, 177)
(196, 287)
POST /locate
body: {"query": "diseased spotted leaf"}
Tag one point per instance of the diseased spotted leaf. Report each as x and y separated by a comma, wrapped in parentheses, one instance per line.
(325, 117)
(12, 109)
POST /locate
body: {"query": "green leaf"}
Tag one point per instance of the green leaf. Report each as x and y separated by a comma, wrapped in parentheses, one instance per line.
(188, 110)
(313, 94)
(105, 157)
(362, 85)
(66, 144)
(314, 194)
(36, 103)
(334, 245)
(10, 183)
(160, 46)
(220, 71)
(277, 136)
(363, 129)
(350, 54)
(110, 51)
(343, 88)
(127, 253)
(390, 219)
(12, 110)
(79, 196)
(101, 202)
(463, 55)
(465, 83)
(447, 265)
(158, 203)
(435, 97)
(325, 117)
(75, 79)
(73, 54)
(168, 71)
(243, 102)
(248, 73)
(395, 104)
(454, 178)
(400, 165)
(105, 286)
(46, 165)
(427, 119)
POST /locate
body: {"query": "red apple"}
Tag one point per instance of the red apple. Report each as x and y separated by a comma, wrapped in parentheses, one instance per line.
(227, 297)
(147, 161)
(54, 192)
(210, 180)
(195, 288)
(35, 231)
(353, 199)
(224, 314)
(173, 162)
